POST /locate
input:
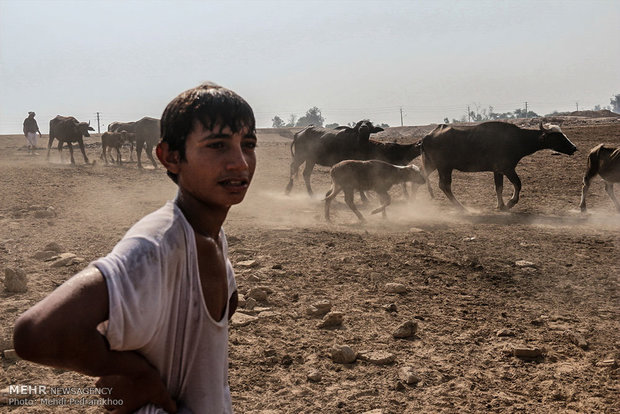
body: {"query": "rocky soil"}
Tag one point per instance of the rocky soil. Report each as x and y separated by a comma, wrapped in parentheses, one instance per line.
(428, 311)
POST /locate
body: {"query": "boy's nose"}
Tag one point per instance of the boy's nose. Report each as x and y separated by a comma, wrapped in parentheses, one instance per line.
(237, 160)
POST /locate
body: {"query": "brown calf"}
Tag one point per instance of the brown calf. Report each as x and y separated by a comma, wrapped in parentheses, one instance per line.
(603, 160)
(375, 175)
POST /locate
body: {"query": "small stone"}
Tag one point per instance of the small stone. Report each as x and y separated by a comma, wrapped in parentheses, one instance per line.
(277, 267)
(11, 355)
(390, 308)
(320, 308)
(505, 332)
(331, 320)
(524, 263)
(241, 300)
(268, 314)
(577, 339)
(527, 353)
(250, 303)
(258, 294)
(378, 357)
(44, 214)
(611, 363)
(54, 247)
(395, 288)
(375, 411)
(406, 330)
(269, 352)
(44, 255)
(247, 263)
(15, 280)
(241, 319)
(314, 376)
(408, 376)
(342, 354)
(64, 259)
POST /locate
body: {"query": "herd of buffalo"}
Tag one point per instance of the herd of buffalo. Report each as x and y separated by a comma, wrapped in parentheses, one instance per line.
(360, 163)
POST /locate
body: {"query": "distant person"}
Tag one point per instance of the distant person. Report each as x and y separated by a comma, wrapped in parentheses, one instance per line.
(31, 129)
(151, 318)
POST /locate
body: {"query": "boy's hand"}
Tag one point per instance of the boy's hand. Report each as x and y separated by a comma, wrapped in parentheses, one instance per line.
(137, 391)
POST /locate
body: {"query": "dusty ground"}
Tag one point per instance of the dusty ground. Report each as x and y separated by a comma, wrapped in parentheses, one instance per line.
(473, 304)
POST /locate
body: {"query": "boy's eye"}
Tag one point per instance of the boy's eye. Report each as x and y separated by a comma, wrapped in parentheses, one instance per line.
(216, 145)
(250, 144)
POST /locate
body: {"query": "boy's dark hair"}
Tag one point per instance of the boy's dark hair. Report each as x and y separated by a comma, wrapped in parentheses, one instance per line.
(209, 104)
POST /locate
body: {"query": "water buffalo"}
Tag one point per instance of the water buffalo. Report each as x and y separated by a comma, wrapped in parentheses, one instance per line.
(379, 176)
(490, 146)
(603, 160)
(326, 147)
(147, 132)
(68, 129)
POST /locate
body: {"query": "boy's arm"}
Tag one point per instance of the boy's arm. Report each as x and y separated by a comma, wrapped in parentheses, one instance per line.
(61, 331)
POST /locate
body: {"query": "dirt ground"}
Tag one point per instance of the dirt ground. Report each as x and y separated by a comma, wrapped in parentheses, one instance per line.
(478, 285)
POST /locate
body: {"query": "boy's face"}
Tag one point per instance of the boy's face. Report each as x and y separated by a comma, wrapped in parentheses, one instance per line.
(218, 165)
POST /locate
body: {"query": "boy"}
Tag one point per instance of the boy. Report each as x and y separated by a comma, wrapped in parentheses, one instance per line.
(151, 318)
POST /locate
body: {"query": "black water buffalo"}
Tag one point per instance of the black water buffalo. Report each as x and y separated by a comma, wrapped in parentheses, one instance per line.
(147, 133)
(68, 129)
(603, 160)
(375, 175)
(490, 146)
(326, 147)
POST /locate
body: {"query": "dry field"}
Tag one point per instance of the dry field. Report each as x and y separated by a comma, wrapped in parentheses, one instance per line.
(472, 297)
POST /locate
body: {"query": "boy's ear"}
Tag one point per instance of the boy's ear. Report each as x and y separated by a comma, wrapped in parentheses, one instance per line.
(169, 159)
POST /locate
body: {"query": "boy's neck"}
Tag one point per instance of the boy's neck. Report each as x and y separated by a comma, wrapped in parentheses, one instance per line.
(205, 220)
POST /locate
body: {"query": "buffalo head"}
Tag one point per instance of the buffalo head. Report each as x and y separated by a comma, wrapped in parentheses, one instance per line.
(553, 138)
(364, 128)
(84, 127)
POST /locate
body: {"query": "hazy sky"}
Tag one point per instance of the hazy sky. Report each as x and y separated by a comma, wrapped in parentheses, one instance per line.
(352, 59)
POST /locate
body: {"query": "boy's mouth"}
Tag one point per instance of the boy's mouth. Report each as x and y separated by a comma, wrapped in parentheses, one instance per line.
(235, 183)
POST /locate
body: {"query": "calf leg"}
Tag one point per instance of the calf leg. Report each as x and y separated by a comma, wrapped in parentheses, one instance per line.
(405, 192)
(499, 189)
(609, 188)
(104, 156)
(445, 185)
(348, 198)
(516, 183)
(139, 145)
(81, 144)
(584, 189)
(329, 196)
(131, 152)
(118, 155)
(385, 201)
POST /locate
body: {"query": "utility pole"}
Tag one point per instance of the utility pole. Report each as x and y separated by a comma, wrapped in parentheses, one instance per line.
(401, 116)
(526, 109)
(577, 104)
(98, 125)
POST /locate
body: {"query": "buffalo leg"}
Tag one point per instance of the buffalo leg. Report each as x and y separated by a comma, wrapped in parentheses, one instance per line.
(348, 198)
(70, 145)
(118, 155)
(499, 190)
(405, 192)
(49, 146)
(131, 152)
(445, 185)
(329, 196)
(149, 153)
(81, 144)
(294, 170)
(60, 151)
(363, 197)
(385, 201)
(516, 183)
(609, 188)
(139, 145)
(427, 169)
(307, 173)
